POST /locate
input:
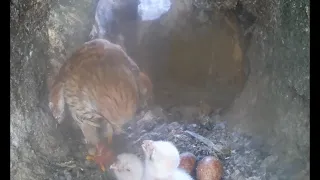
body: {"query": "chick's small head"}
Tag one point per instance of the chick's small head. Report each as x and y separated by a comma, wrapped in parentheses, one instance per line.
(127, 165)
(163, 155)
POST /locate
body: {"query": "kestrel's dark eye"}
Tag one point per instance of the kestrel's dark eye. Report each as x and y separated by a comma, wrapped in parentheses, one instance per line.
(128, 170)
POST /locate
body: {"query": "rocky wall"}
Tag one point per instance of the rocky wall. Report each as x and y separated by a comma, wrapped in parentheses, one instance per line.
(35, 143)
(275, 102)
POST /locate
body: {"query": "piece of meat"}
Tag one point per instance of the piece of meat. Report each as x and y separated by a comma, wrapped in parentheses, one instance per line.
(102, 156)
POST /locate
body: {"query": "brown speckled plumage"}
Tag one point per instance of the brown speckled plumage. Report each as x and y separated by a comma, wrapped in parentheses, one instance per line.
(101, 85)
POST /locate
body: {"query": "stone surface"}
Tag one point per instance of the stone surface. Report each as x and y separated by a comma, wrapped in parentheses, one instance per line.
(69, 24)
(37, 146)
(275, 101)
(33, 144)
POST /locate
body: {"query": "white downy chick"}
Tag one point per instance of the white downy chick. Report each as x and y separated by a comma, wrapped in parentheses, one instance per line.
(180, 174)
(128, 166)
(161, 159)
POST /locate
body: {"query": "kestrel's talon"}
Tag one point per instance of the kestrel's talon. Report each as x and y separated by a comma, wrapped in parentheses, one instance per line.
(102, 167)
(90, 158)
(102, 156)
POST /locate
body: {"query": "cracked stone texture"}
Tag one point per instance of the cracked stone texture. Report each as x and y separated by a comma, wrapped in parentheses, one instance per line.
(35, 144)
(274, 104)
(275, 101)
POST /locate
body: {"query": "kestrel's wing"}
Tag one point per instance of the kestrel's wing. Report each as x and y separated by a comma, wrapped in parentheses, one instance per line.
(56, 101)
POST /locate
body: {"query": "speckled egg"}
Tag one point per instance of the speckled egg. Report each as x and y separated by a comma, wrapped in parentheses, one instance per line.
(209, 168)
(187, 162)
